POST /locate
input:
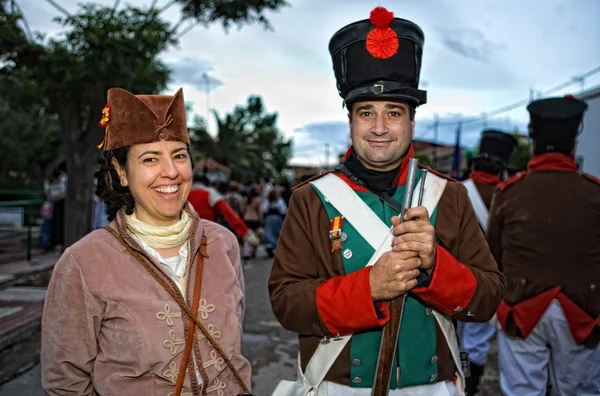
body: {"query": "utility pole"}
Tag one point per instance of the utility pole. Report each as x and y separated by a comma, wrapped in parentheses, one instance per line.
(207, 85)
(435, 138)
(581, 81)
(531, 94)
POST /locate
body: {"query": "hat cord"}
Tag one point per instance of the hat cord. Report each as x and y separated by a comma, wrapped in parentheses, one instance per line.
(163, 128)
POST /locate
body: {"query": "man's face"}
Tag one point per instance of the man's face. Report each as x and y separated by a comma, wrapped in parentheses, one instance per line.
(381, 132)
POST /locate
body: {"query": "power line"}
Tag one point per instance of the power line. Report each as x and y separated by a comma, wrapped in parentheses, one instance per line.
(59, 7)
(515, 105)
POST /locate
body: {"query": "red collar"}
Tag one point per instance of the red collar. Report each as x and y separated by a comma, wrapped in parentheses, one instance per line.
(484, 178)
(403, 170)
(552, 161)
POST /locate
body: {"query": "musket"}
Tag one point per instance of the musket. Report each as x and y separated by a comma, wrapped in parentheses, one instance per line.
(389, 336)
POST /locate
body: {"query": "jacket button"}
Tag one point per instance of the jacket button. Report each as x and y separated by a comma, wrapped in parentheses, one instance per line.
(356, 380)
(433, 378)
(592, 287)
(434, 360)
(428, 311)
(356, 362)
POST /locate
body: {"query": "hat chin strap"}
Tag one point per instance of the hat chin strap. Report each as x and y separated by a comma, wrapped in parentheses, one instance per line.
(388, 89)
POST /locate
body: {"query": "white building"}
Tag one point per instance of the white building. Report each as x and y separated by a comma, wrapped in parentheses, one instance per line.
(588, 143)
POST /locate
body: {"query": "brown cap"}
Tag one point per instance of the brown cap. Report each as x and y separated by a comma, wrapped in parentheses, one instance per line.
(136, 119)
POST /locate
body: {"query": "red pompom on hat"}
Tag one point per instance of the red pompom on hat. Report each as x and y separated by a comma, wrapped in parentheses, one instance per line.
(381, 18)
(382, 42)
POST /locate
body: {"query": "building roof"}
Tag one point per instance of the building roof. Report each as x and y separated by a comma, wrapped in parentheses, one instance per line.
(209, 164)
(591, 93)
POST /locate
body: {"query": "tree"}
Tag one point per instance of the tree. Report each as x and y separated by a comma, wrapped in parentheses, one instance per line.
(522, 154)
(29, 135)
(423, 159)
(248, 141)
(102, 48)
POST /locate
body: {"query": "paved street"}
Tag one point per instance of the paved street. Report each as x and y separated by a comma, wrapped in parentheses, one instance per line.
(270, 349)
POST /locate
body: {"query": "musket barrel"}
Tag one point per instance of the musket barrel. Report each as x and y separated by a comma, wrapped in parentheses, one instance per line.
(389, 336)
(409, 186)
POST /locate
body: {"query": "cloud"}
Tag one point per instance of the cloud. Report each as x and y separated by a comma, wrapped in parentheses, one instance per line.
(194, 72)
(318, 137)
(470, 43)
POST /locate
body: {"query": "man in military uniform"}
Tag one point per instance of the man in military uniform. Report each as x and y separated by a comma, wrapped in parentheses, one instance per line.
(489, 167)
(321, 286)
(491, 162)
(544, 230)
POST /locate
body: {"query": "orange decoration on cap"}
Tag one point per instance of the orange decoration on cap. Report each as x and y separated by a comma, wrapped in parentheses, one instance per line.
(105, 116)
(382, 42)
(569, 96)
(104, 123)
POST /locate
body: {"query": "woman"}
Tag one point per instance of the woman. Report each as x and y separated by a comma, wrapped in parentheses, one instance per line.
(253, 218)
(55, 188)
(274, 210)
(129, 305)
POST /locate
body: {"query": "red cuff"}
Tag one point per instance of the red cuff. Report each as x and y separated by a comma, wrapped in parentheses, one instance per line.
(452, 285)
(346, 305)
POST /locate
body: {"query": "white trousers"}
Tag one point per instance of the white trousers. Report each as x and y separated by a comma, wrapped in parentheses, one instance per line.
(438, 389)
(475, 339)
(549, 350)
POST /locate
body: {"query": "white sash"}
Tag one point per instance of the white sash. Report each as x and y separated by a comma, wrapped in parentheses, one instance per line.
(379, 236)
(481, 211)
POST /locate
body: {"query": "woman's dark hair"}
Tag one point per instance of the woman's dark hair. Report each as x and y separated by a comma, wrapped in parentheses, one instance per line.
(252, 193)
(109, 187)
(272, 196)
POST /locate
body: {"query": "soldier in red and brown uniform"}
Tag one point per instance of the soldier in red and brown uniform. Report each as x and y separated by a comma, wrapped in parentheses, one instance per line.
(544, 230)
(491, 163)
(322, 285)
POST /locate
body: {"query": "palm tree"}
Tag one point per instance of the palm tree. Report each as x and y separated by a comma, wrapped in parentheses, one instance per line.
(248, 141)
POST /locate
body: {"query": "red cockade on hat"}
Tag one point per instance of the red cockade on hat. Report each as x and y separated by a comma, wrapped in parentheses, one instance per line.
(382, 41)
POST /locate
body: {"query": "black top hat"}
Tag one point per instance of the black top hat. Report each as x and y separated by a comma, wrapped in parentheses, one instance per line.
(379, 57)
(555, 123)
(496, 145)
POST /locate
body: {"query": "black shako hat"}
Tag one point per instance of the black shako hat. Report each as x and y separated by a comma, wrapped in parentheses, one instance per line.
(496, 145)
(379, 57)
(554, 123)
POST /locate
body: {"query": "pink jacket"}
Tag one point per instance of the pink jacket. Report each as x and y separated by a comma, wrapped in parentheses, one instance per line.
(109, 328)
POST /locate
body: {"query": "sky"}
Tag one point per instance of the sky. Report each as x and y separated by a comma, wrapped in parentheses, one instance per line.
(479, 56)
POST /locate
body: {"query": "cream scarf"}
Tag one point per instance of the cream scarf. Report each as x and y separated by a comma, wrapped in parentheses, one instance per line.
(161, 237)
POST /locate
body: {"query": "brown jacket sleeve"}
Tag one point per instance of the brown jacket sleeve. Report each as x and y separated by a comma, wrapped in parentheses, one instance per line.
(70, 327)
(459, 230)
(310, 292)
(298, 271)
